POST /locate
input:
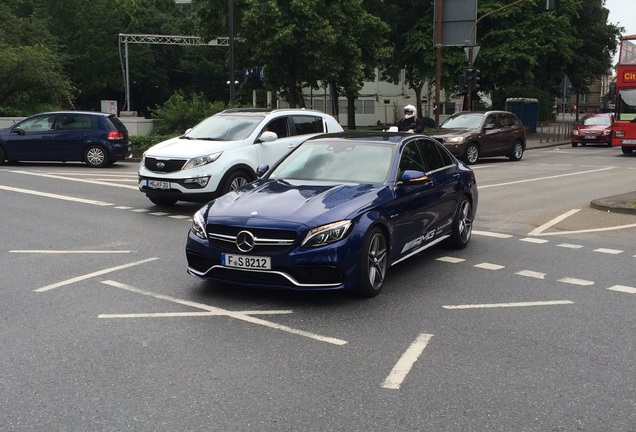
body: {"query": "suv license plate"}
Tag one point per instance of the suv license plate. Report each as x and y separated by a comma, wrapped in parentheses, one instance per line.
(246, 262)
(156, 184)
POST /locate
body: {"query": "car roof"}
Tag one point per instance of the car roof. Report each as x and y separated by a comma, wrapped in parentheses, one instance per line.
(95, 113)
(378, 137)
(270, 111)
(484, 112)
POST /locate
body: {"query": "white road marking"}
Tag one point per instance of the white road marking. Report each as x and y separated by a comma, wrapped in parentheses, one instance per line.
(159, 214)
(575, 281)
(180, 217)
(531, 274)
(190, 314)
(491, 234)
(534, 240)
(75, 179)
(233, 314)
(623, 288)
(406, 362)
(91, 275)
(506, 305)
(545, 178)
(489, 266)
(55, 196)
(451, 260)
(72, 251)
(141, 210)
(123, 207)
(554, 221)
(569, 246)
(609, 251)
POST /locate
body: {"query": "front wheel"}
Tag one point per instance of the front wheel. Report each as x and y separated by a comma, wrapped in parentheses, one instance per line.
(234, 181)
(627, 150)
(96, 157)
(471, 154)
(372, 264)
(574, 144)
(462, 225)
(3, 156)
(517, 151)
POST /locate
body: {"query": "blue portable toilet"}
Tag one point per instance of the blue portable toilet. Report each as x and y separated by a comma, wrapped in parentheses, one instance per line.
(527, 109)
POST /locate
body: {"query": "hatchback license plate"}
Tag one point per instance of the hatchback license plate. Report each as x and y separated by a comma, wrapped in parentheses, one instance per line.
(156, 184)
(246, 262)
(589, 137)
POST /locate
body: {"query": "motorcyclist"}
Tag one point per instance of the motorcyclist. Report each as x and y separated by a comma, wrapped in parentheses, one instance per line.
(410, 122)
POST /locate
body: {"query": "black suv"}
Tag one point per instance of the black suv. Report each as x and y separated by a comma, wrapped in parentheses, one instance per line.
(99, 139)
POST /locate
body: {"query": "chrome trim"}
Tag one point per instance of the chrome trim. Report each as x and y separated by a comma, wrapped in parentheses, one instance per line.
(285, 275)
(257, 240)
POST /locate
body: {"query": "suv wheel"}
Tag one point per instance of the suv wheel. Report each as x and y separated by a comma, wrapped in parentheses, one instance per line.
(517, 151)
(234, 181)
(471, 154)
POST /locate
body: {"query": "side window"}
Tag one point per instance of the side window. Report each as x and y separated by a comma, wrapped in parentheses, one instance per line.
(411, 159)
(491, 122)
(430, 153)
(308, 125)
(73, 122)
(506, 120)
(279, 126)
(38, 124)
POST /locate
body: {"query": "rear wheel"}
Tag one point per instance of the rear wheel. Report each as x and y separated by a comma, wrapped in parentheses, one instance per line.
(235, 181)
(462, 225)
(96, 157)
(163, 202)
(3, 156)
(517, 151)
(471, 154)
(627, 150)
(372, 264)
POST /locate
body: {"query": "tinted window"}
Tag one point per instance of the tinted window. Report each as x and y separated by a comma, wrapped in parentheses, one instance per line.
(430, 153)
(411, 159)
(73, 122)
(308, 125)
(278, 126)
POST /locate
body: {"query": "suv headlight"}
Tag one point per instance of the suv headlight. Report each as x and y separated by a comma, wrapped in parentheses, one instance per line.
(198, 223)
(455, 140)
(326, 234)
(202, 160)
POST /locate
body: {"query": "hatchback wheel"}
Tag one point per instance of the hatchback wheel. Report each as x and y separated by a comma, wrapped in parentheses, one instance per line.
(96, 157)
(517, 151)
(574, 144)
(627, 150)
(471, 154)
(372, 264)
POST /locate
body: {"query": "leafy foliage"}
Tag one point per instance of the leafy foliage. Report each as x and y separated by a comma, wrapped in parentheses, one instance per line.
(179, 113)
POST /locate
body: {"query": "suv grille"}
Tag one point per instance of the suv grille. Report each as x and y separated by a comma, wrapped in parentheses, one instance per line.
(164, 165)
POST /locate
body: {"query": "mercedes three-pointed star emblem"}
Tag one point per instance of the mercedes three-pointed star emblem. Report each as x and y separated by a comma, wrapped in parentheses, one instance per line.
(245, 241)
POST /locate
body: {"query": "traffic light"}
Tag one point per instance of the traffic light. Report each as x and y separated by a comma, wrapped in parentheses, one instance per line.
(462, 83)
(472, 77)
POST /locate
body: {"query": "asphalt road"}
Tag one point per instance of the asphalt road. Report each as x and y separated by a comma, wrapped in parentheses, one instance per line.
(530, 328)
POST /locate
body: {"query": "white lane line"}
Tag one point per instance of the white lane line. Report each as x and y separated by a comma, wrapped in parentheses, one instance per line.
(507, 305)
(575, 281)
(623, 288)
(180, 217)
(55, 196)
(612, 228)
(71, 251)
(405, 363)
(554, 221)
(489, 266)
(123, 207)
(570, 246)
(609, 251)
(491, 234)
(545, 178)
(533, 240)
(75, 179)
(91, 275)
(233, 314)
(159, 214)
(451, 260)
(189, 314)
(531, 274)
(141, 210)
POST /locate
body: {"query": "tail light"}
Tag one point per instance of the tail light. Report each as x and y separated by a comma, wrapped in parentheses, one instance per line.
(115, 135)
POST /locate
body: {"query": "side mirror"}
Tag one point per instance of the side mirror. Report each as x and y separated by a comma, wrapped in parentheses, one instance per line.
(489, 126)
(267, 136)
(262, 170)
(18, 131)
(187, 131)
(412, 177)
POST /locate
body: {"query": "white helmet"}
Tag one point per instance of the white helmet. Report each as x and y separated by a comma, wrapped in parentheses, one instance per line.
(409, 111)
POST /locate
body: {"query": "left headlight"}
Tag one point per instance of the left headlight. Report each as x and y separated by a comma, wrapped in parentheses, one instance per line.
(198, 223)
(455, 139)
(202, 160)
(326, 234)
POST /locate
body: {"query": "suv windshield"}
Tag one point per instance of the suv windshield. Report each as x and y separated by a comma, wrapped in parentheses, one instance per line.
(225, 128)
(464, 121)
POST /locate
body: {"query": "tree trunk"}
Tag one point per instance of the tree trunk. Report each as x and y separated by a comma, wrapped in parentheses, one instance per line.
(351, 112)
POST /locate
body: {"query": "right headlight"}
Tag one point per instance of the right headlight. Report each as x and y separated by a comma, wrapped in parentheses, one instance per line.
(198, 223)
(202, 160)
(326, 234)
(455, 139)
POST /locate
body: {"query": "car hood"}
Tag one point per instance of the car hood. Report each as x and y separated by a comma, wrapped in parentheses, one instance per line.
(184, 148)
(309, 203)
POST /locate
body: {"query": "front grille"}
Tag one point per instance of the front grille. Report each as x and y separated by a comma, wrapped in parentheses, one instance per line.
(169, 165)
(267, 241)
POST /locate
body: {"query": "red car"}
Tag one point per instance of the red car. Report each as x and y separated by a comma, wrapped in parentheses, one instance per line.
(593, 129)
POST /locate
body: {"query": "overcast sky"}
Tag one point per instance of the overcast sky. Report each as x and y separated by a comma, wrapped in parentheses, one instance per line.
(623, 13)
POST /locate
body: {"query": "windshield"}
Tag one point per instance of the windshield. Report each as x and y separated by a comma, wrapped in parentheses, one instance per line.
(597, 121)
(225, 128)
(626, 106)
(356, 162)
(464, 121)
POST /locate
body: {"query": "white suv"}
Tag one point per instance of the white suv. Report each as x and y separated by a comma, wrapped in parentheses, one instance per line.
(223, 152)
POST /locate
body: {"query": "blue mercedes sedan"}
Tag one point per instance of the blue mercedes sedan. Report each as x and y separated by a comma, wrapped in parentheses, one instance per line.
(336, 213)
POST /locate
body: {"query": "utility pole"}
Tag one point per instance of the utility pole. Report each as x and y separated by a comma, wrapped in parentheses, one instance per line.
(438, 60)
(231, 36)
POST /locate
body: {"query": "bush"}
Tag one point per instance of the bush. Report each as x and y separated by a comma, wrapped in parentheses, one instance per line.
(142, 143)
(179, 113)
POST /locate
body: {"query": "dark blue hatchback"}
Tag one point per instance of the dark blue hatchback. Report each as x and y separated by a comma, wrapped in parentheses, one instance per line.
(336, 213)
(98, 139)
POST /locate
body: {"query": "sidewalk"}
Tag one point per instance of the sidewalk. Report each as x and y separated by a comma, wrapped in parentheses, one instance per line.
(622, 203)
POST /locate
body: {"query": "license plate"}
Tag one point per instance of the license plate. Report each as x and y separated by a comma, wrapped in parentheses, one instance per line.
(628, 142)
(589, 137)
(156, 184)
(246, 262)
